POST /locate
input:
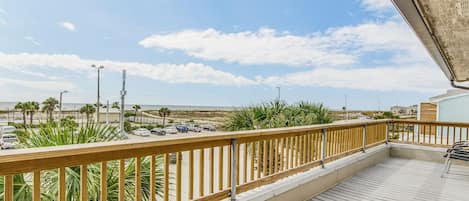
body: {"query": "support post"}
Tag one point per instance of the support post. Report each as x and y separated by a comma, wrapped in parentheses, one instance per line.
(364, 139)
(387, 132)
(323, 152)
(233, 170)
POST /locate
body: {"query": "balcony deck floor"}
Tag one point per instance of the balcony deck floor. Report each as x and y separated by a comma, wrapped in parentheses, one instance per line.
(402, 179)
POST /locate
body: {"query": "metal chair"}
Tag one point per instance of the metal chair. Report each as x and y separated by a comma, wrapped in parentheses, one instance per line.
(459, 151)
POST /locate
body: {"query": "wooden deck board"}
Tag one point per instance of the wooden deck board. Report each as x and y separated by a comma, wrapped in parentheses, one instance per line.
(402, 180)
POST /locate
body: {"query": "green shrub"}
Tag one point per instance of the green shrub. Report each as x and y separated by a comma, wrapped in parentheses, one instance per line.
(277, 114)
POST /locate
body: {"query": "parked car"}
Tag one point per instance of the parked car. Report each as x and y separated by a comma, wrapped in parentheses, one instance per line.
(209, 127)
(195, 128)
(8, 141)
(158, 131)
(7, 129)
(141, 132)
(171, 130)
(182, 128)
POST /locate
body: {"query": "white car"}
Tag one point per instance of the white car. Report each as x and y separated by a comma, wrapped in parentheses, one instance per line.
(7, 129)
(8, 141)
(170, 130)
(141, 132)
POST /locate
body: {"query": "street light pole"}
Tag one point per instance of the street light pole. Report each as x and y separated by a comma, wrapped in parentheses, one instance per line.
(121, 116)
(278, 93)
(97, 101)
(60, 103)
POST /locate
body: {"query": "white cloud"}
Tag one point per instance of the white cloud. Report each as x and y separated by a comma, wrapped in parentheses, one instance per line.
(418, 78)
(340, 46)
(67, 25)
(32, 40)
(377, 5)
(172, 73)
(41, 85)
(265, 46)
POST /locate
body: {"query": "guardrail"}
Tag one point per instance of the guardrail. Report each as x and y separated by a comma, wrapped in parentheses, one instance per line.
(429, 133)
(206, 167)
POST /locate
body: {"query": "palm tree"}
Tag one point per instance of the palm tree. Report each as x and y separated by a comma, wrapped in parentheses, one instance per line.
(89, 110)
(33, 107)
(55, 136)
(116, 105)
(49, 106)
(23, 108)
(136, 108)
(164, 112)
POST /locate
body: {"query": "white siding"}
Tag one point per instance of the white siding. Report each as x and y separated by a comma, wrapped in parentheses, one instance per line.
(454, 109)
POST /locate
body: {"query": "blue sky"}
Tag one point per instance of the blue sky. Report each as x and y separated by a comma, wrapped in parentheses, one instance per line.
(215, 52)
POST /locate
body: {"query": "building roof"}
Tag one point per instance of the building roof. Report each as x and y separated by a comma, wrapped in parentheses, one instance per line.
(452, 93)
(443, 28)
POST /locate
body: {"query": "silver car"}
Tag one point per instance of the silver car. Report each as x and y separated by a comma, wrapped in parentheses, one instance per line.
(8, 141)
(171, 130)
(141, 132)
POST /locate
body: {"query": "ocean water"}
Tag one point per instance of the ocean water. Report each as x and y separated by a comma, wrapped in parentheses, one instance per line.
(75, 106)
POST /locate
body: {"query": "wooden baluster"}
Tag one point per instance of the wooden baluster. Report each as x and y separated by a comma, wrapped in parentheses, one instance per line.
(460, 134)
(121, 192)
(103, 180)
(237, 165)
(61, 184)
(8, 188)
(454, 134)
(467, 133)
(201, 172)
(245, 163)
(259, 159)
(271, 157)
(342, 141)
(166, 177)
(84, 182)
(37, 185)
(138, 179)
(282, 154)
(252, 161)
(191, 175)
(287, 153)
(220, 168)
(305, 148)
(447, 135)
(229, 166)
(275, 152)
(178, 176)
(441, 134)
(152, 178)
(311, 146)
(290, 153)
(264, 159)
(211, 169)
(297, 151)
(424, 132)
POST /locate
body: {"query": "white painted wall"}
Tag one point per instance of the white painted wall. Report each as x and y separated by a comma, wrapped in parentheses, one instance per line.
(454, 109)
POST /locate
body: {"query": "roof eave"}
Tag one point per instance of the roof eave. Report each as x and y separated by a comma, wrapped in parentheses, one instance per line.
(409, 9)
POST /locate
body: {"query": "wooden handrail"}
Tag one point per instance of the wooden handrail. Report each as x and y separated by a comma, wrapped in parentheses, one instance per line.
(263, 156)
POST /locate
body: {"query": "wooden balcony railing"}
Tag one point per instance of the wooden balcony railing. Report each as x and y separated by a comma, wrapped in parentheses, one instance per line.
(430, 133)
(202, 167)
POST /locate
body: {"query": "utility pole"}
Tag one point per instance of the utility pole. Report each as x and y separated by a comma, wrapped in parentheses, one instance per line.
(107, 112)
(123, 93)
(278, 93)
(97, 101)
